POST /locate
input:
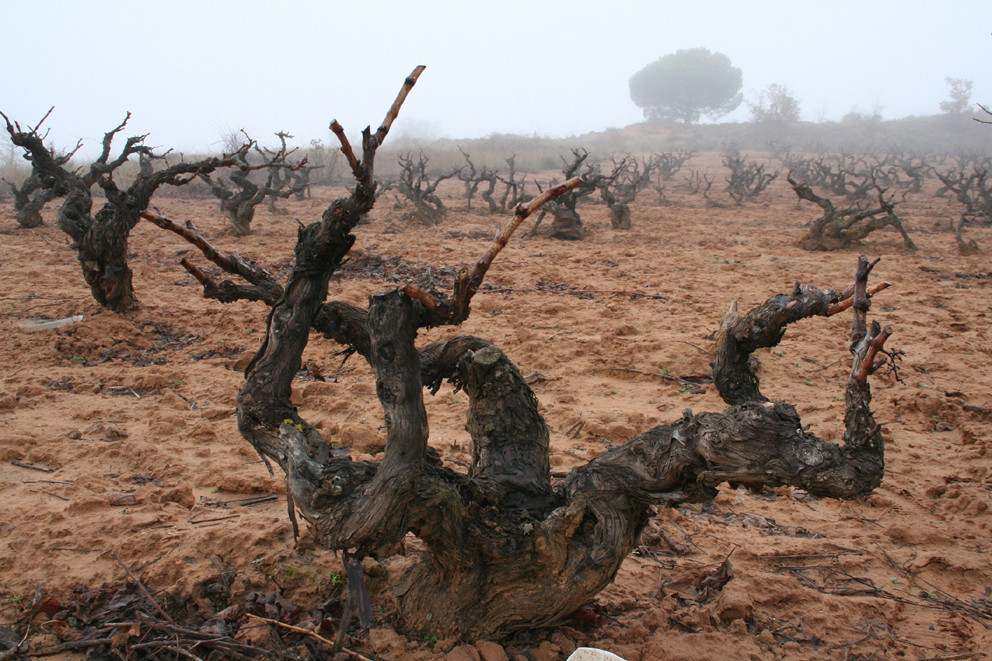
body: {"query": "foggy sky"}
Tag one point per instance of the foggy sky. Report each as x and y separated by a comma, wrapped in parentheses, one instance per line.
(191, 72)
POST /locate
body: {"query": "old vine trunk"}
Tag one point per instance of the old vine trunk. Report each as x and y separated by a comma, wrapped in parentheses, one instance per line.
(503, 546)
(101, 239)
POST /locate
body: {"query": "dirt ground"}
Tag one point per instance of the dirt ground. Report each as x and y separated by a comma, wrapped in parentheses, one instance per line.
(119, 450)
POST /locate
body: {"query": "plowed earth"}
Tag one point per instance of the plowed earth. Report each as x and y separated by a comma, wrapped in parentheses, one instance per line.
(119, 449)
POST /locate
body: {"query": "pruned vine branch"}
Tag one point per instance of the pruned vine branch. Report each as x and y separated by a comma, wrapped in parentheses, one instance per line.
(468, 281)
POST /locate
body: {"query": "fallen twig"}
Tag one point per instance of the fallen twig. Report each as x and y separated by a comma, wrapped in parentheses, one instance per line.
(53, 495)
(678, 549)
(162, 645)
(244, 502)
(142, 587)
(195, 521)
(562, 332)
(699, 349)
(576, 429)
(34, 467)
(600, 292)
(71, 645)
(668, 377)
(312, 634)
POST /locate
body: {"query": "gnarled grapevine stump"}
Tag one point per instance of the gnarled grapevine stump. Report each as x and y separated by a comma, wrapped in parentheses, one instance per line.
(503, 547)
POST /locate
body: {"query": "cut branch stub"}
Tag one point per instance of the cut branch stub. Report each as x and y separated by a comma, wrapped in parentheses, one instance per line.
(264, 287)
(763, 327)
(468, 282)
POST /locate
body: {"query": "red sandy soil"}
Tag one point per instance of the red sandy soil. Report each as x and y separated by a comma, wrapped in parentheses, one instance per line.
(134, 415)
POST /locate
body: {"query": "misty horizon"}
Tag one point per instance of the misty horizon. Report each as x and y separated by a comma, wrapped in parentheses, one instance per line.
(191, 74)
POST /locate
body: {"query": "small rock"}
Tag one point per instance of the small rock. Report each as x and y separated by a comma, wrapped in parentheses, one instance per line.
(373, 567)
(218, 412)
(241, 362)
(564, 643)
(121, 499)
(173, 401)
(734, 603)
(463, 653)
(546, 651)
(490, 651)
(182, 495)
(381, 639)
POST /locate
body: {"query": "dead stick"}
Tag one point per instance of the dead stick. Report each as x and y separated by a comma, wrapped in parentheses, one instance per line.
(197, 522)
(34, 467)
(71, 645)
(244, 502)
(467, 284)
(602, 292)
(355, 654)
(142, 586)
(161, 645)
(667, 377)
(699, 349)
(680, 549)
(892, 561)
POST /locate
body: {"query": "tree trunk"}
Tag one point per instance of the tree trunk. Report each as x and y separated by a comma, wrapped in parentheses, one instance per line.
(240, 213)
(620, 216)
(28, 216)
(101, 238)
(566, 224)
(103, 257)
(29, 200)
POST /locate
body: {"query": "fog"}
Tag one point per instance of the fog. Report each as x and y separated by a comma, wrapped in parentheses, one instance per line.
(191, 72)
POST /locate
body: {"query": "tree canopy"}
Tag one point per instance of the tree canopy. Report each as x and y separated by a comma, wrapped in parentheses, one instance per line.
(958, 100)
(687, 84)
(775, 105)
